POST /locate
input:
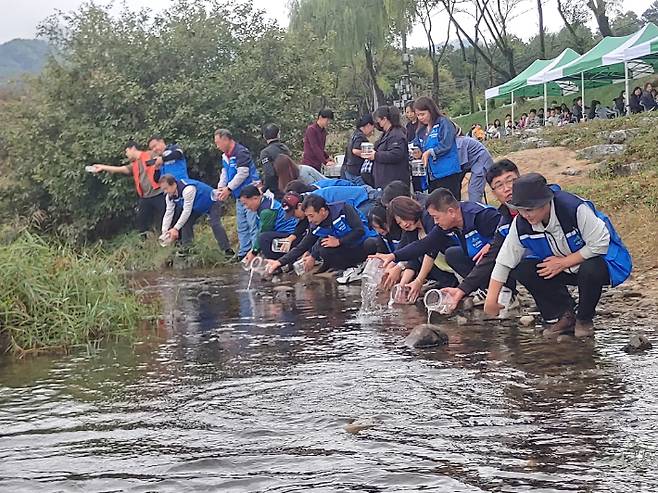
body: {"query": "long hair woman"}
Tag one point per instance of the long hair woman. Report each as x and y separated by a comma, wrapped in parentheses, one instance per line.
(287, 170)
(438, 147)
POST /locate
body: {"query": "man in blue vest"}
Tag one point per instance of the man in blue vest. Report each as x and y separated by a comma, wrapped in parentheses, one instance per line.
(170, 158)
(192, 199)
(341, 231)
(363, 197)
(474, 158)
(273, 222)
(571, 244)
(238, 170)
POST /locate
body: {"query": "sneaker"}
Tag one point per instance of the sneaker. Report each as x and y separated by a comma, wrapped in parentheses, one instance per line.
(565, 325)
(350, 275)
(584, 329)
(479, 297)
(506, 311)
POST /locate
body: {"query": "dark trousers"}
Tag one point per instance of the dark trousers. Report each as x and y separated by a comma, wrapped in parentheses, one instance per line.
(552, 296)
(150, 211)
(341, 257)
(265, 239)
(462, 264)
(451, 182)
(443, 279)
(375, 245)
(215, 220)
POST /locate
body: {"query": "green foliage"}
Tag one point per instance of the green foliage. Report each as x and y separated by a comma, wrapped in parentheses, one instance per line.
(54, 298)
(185, 72)
(651, 14)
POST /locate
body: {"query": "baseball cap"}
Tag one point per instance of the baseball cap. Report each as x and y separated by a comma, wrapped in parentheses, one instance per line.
(290, 201)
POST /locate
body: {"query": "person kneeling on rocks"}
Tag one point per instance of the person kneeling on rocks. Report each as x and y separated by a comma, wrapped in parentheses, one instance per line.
(571, 244)
(341, 231)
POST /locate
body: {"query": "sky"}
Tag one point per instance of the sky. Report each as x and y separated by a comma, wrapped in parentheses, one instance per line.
(20, 18)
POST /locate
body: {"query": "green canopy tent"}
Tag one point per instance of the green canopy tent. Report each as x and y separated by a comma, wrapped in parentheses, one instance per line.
(519, 85)
(604, 63)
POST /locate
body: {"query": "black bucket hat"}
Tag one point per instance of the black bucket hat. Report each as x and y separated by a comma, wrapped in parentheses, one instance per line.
(530, 191)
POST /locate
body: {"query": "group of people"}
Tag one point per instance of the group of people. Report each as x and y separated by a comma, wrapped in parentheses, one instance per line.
(541, 237)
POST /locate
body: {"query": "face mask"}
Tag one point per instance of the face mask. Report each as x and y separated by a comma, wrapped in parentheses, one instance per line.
(379, 127)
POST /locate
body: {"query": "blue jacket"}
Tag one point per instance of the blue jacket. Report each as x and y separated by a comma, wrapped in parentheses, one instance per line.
(353, 195)
(240, 157)
(333, 182)
(283, 223)
(442, 144)
(340, 227)
(203, 198)
(174, 162)
(618, 259)
(480, 225)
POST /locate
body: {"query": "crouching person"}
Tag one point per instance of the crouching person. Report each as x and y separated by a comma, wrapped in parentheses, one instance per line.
(340, 230)
(193, 199)
(572, 244)
(272, 221)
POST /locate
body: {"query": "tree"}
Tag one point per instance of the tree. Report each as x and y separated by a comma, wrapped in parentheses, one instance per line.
(183, 73)
(542, 34)
(651, 14)
(626, 23)
(573, 14)
(600, 10)
(359, 27)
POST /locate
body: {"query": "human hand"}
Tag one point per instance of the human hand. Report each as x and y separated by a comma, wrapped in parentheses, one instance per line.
(309, 262)
(551, 267)
(249, 257)
(426, 157)
(387, 258)
(456, 295)
(415, 287)
(478, 256)
(330, 242)
(272, 265)
(224, 193)
(391, 277)
(173, 234)
(417, 153)
(491, 305)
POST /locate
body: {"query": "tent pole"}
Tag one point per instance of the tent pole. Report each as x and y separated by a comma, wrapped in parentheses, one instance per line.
(486, 112)
(513, 120)
(545, 102)
(582, 90)
(626, 87)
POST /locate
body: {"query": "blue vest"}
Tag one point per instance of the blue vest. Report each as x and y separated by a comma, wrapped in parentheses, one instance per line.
(333, 182)
(175, 167)
(283, 223)
(202, 200)
(340, 227)
(448, 163)
(353, 195)
(230, 164)
(473, 239)
(618, 259)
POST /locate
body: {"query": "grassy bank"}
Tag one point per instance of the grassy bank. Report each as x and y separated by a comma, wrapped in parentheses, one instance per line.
(54, 298)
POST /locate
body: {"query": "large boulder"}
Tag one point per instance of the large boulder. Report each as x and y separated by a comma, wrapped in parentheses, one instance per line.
(622, 136)
(601, 151)
(424, 336)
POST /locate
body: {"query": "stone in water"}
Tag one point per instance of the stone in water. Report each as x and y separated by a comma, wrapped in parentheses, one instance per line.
(426, 335)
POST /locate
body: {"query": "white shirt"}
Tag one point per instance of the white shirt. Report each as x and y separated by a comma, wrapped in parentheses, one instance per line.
(592, 229)
(189, 193)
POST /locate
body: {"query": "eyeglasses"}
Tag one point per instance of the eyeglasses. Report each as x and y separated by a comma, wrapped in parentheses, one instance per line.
(505, 183)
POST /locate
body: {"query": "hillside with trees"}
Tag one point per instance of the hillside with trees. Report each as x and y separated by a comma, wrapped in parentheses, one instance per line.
(22, 56)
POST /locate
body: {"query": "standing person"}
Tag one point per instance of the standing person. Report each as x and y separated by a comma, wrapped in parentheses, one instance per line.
(571, 244)
(390, 159)
(268, 155)
(238, 170)
(287, 170)
(151, 203)
(577, 110)
(273, 222)
(648, 100)
(474, 158)
(353, 163)
(438, 147)
(170, 158)
(193, 199)
(412, 121)
(315, 139)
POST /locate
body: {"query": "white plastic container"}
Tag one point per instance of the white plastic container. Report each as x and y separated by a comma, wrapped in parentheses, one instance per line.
(437, 301)
(399, 295)
(373, 270)
(165, 240)
(367, 149)
(505, 296)
(331, 171)
(214, 195)
(300, 270)
(280, 245)
(91, 169)
(418, 168)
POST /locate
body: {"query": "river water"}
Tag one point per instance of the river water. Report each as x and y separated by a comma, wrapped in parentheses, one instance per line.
(253, 391)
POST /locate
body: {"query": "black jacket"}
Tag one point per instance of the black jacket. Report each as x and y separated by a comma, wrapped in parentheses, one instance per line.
(267, 157)
(391, 158)
(353, 163)
(412, 129)
(634, 104)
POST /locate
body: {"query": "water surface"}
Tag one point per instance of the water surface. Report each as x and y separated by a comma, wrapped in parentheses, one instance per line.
(252, 392)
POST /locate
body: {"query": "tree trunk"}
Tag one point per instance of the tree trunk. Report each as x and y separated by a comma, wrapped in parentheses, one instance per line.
(469, 76)
(435, 80)
(568, 24)
(378, 94)
(599, 9)
(542, 37)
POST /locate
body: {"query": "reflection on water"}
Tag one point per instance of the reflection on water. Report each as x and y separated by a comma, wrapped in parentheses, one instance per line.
(251, 391)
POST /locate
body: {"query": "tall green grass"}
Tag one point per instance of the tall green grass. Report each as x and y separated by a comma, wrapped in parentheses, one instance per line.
(53, 298)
